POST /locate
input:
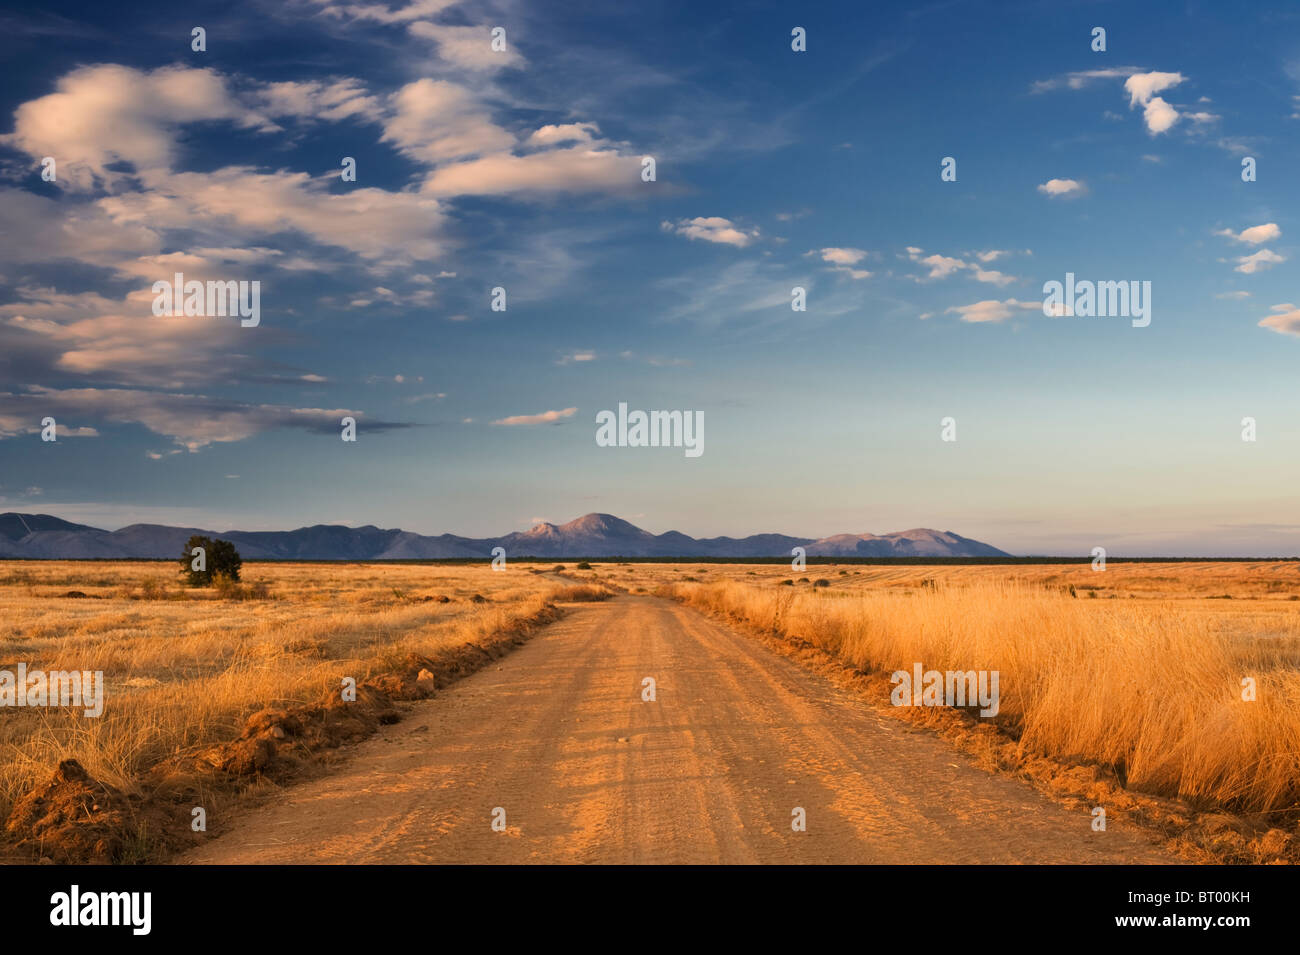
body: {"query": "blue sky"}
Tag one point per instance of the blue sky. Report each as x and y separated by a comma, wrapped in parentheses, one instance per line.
(521, 169)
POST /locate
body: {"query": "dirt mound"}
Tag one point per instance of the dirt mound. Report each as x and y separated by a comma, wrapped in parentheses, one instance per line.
(73, 818)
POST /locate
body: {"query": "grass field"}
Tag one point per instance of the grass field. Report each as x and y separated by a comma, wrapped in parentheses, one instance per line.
(184, 668)
(1139, 667)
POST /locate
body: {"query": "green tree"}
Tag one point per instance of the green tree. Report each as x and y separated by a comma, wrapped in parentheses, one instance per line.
(206, 559)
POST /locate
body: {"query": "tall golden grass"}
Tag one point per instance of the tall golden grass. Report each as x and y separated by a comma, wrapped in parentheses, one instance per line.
(1148, 687)
(185, 668)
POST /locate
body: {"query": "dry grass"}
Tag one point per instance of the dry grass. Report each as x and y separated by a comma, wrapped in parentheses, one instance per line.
(1149, 686)
(185, 668)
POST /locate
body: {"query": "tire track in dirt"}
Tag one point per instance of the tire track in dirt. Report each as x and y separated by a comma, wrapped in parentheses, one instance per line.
(558, 736)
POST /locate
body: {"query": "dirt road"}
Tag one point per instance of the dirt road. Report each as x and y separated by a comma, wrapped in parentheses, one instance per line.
(557, 736)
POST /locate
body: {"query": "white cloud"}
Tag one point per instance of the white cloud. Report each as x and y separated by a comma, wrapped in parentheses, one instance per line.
(993, 277)
(1261, 260)
(334, 101)
(373, 223)
(1081, 78)
(382, 13)
(432, 121)
(552, 135)
(103, 115)
(991, 310)
(544, 418)
(712, 229)
(1284, 321)
(1255, 235)
(844, 260)
(576, 169)
(1062, 188)
(467, 47)
(1142, 87)
(1159, 116)
(942, 266)
(842, 256)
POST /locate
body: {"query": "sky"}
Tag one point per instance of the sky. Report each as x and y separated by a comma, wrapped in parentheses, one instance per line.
(523, 168)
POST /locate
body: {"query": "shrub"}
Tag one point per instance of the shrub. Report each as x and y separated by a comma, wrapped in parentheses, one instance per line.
(214, 559)
(584, 565)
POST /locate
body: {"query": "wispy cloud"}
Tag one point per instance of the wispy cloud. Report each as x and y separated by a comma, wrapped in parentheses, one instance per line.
(1259, 261)
(991, 310)
(192, 421)
(546, 417)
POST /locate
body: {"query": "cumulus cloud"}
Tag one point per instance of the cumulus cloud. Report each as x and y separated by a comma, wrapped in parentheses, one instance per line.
(1255, 235)
(34, 229)
(838, 256)
(56, 335)
(1259, 261)
(1285, 319)
(446, 126)
(1141, 87)
(844, 260)
(433, 121)
(553, 135)
(117, 135)
(1158, 115)
(100, 116)
(372, 223)
(544, 418)
(712, 229)
(942, 266)
(1062, 188)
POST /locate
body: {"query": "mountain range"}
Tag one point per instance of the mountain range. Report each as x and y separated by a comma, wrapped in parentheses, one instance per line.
(595, 535)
